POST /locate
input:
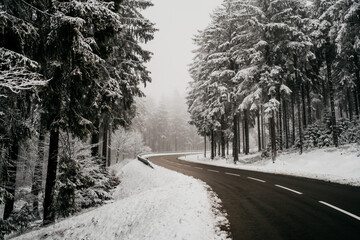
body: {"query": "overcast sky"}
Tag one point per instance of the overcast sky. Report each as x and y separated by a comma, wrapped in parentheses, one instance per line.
(177, 21)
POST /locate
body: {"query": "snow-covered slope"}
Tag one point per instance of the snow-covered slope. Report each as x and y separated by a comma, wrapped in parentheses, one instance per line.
(149, 204)
(340, 165)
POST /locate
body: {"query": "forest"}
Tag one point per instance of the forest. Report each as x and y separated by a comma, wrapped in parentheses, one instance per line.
(70, 73)
(164, 125)
(269, 75)
(287, 70)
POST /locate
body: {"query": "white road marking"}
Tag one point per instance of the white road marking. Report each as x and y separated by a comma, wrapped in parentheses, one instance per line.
(198, 168)
(210, 170)
(341, 210)
(232, 174)
(289, 189)
(256, 179)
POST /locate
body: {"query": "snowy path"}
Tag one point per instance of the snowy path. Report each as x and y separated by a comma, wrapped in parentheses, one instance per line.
(149, 204)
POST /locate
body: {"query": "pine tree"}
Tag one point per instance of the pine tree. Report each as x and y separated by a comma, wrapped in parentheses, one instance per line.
(328, 24)
(220, 55)
(19, 77)
(348, 50)
(264, 54)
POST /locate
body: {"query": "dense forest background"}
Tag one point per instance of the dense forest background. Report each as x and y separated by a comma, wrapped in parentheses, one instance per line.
(164, 124)
(288, 71)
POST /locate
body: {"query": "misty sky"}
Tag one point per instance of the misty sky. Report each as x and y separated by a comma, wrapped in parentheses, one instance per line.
(177, 21)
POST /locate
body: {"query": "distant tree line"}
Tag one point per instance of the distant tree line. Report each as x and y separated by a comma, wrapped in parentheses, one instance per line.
(67, 68)
(289, 69)
(165, 125)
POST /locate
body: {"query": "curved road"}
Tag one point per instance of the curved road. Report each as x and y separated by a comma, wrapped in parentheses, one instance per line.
(269, 206)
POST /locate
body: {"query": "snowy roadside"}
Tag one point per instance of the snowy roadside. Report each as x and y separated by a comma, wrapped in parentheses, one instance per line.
(340, 165)
(148, 204)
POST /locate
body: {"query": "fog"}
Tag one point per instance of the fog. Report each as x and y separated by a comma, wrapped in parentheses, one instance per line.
(177, 22)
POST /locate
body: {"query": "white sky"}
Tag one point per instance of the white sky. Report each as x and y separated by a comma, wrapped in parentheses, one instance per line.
(177, 22)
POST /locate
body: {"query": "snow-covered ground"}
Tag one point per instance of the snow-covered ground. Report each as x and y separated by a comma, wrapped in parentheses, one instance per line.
(340, 165)
(149, 204)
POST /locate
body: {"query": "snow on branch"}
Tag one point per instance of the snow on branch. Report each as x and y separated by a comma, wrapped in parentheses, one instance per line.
(270, 107)
(250, 99)
(285, 89)
(18, 72)
(244, 74)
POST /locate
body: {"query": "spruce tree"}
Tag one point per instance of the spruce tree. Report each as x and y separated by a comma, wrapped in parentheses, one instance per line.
(80, 54)
(19, 77)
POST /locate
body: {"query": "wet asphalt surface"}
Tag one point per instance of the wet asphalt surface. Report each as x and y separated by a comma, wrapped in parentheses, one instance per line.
(270, 206)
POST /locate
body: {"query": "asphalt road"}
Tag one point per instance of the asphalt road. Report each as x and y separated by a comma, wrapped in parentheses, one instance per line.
(269, 206)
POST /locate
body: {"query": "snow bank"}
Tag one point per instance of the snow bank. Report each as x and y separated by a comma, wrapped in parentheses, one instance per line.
(340, 165)
(149, 204)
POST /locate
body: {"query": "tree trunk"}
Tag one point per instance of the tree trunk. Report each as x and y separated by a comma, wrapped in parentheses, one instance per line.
(49, 201)
(212, 145)
(105, 141)
(357, 88)
(280, 124)
(309, 103)
(233, 146)
(222, 137)
(299, 120)
(262, 128)
(350, 106)
(324, 93)
(49, 205)
(356, 104)
(332, 101)
(293, 119)
(36, 186)
(95, 144)
(243, 135)
(227, 147)
(341, 110)
(204, 145)
(238, 119)
(303, 105)
(299, 91)
(11, 167)
(219, 146)
(286, 125)
(259, 132)
(346, 110)
(246, 117)
(109, 146)
(235, 139)
(273, 137)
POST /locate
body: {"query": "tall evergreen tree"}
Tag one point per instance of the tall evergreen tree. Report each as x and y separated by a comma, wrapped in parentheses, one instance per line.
(79, 53)
(19, 75)
(258, 54)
